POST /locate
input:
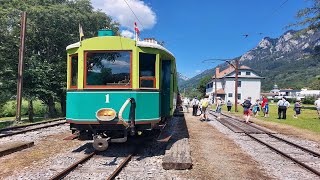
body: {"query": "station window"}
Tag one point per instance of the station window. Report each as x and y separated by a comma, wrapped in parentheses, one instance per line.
(239, 96)
(229, 94)
(108, 69)
(147, 70)
(248, 73)
(239, 73)
(239, 83)
(74, 71)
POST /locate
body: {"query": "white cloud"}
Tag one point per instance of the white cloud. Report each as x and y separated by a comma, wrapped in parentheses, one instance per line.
(128, 34)
(120, 12)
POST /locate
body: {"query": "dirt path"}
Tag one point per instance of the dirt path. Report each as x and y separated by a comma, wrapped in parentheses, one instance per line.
(215, 156)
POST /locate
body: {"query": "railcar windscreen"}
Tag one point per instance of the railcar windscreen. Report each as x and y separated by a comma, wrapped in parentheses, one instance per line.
(108, 68)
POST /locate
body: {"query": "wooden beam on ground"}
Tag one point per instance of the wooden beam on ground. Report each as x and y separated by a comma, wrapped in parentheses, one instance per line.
(6, 149)
(178, 156)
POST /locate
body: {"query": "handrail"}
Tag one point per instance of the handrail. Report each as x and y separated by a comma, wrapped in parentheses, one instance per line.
(131, 116)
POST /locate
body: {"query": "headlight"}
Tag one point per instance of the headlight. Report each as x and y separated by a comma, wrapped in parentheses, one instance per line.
(106, 114)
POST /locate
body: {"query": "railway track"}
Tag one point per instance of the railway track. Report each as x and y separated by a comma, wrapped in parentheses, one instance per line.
(97, 158)
(72, 167)
(30, 127)
(302, 156)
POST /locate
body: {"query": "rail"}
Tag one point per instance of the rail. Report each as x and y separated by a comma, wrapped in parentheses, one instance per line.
(277, 150)
(3, 133)
(72, 167)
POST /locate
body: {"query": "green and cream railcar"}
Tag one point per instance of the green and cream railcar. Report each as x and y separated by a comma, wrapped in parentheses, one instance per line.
(106, 74)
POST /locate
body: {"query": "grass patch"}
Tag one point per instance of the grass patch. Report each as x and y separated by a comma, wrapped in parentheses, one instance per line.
(308, 118)
(9, 121)
(9, 108)
(7, 118)
(5, 124)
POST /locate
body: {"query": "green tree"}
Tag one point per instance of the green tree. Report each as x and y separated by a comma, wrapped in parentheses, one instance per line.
(315, 83)
(309, 16)
(202, 85)
(51, 26)
(193, 93)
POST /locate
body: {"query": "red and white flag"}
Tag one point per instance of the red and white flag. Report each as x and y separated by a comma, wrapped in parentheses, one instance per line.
(136, 29)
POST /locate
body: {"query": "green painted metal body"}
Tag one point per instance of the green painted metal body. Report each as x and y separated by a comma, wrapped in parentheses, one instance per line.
(83, 105)
(151, 104)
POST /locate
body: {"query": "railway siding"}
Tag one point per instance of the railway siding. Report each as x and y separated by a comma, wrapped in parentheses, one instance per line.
(275, 165)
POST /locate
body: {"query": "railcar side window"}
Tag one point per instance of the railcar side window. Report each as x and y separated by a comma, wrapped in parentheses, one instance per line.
(147, 73)
(108, 69)
(74, 71)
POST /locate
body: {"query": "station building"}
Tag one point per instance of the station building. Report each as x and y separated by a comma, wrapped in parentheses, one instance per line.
(249, 84)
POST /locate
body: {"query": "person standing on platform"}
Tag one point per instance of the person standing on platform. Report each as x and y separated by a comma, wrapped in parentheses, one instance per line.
(255, 108)
(317, 104)
(204, 104)
(186, 103)
(265, 106)
(194, 104)
(297, 108)
(229, 105)
(219, 107)
(283, 105)
(246, 109)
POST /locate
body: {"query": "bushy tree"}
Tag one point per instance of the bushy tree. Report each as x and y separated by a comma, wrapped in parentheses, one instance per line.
(309, 16)
(315, 83)
(202, 85)
(51, 26)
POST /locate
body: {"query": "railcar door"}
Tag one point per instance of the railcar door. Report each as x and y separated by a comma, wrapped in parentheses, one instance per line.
(165, 87)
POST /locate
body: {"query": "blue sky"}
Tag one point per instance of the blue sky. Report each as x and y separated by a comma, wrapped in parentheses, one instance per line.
(197, 30)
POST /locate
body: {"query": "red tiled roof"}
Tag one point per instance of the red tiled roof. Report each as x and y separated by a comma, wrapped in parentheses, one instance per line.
(244, 67)
(220, 91)
(229, 70)
(224, 72)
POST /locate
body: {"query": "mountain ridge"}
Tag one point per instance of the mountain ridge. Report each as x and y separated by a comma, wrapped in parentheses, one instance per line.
(288, 60)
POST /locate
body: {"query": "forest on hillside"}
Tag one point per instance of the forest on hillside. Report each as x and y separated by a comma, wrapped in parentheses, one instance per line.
(50, 27)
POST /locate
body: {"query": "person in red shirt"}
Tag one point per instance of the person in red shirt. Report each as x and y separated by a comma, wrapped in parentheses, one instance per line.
(264, 106)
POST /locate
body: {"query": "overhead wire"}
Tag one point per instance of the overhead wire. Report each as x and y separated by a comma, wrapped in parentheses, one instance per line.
(134, 13)
(283, 3)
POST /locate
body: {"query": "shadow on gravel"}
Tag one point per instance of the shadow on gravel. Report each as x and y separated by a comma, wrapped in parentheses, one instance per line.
(87, 148)
(147, 144)
(179, 129)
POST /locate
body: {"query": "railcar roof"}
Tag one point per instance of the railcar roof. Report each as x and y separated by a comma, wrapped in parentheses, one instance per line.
(139, 44)
(153, 45)
(74, 45)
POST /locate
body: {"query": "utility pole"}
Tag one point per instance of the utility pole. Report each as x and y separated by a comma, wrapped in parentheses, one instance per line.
(236, 86)
(215, 85)
(20, 65)
(236, 67)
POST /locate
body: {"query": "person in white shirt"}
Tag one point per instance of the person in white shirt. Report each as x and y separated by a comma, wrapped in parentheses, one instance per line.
(317, 104)
(219, 104)
(194, 104)
(283, 105)
(186, 103)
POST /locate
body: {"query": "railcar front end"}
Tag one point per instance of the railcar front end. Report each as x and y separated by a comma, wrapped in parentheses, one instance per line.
(117, 86)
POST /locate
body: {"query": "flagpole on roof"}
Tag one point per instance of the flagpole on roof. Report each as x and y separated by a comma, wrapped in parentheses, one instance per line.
(137, 32)
(81, 35)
